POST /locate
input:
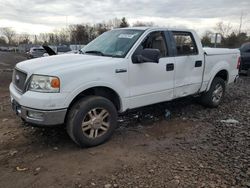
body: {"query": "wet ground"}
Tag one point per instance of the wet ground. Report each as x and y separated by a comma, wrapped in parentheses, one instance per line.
(192, 148)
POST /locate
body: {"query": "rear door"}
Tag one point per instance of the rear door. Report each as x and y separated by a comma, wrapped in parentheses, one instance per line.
(188, 64)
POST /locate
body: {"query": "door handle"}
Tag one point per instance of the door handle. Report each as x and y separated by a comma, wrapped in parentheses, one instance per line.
(198, 63)
(170, 67)
(120, 70)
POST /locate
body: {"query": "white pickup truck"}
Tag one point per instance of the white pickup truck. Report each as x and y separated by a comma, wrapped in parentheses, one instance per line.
(121, 69)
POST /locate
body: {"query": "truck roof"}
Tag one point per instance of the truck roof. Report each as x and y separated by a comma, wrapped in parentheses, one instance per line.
(158, 28)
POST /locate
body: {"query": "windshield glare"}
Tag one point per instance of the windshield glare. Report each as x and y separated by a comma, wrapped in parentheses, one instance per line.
(115, 43)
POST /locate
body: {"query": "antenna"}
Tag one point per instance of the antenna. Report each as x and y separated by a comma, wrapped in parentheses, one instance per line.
(66, 21)
(241, 16)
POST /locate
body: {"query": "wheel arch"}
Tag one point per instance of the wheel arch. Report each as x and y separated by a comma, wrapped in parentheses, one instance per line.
(102, 91)
(222, 73)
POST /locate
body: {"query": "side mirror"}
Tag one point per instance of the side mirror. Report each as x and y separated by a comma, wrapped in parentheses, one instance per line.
(146, 55)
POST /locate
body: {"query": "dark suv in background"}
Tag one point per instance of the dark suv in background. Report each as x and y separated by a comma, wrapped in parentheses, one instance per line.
(245, 58)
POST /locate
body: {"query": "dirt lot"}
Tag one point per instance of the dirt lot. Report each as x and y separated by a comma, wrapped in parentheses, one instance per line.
(193, 148)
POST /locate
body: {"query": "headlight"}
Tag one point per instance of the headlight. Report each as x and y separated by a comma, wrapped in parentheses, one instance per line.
(46, 84)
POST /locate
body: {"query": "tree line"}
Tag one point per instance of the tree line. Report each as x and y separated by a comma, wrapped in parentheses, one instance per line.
(231, 37)
(84, 33)
(73, 34)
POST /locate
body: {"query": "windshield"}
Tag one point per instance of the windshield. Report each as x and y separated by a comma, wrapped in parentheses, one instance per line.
(115, 43)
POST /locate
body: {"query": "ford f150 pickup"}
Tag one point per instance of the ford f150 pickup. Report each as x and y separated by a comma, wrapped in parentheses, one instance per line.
(121, 69)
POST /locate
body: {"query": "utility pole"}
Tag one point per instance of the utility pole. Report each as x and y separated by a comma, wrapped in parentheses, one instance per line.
(241, 17)
(66, 21)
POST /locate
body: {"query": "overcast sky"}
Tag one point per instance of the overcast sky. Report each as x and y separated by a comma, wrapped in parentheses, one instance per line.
(45, 15)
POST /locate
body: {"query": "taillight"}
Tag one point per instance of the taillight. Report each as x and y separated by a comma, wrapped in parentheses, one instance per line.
(238, 63)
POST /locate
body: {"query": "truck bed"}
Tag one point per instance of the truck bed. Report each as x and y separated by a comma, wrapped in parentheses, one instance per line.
(217, 59)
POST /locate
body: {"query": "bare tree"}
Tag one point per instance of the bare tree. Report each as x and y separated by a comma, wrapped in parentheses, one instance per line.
(44, 37)
(79, 33)
(113, 23)
(143, 24)
(2, 41)
(24, 38)
(224, 29)
(124, 22)
(9, 34)
(63, 35)
(100, 28)
(47, 38)
(206, 38)
(35, 39)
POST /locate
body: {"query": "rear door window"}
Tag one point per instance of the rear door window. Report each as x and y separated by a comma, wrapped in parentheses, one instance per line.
(185, 43)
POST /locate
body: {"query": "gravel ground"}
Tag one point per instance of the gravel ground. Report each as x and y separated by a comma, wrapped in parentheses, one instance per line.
(192, 148)
(215, 154)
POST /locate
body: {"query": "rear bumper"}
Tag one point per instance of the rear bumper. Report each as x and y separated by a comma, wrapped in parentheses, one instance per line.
(39, 117)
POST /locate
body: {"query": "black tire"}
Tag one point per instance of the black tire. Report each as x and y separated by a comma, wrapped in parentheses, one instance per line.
(207, 99)
(82, 110)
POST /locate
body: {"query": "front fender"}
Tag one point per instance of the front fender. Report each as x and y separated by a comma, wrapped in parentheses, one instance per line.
(123, 102)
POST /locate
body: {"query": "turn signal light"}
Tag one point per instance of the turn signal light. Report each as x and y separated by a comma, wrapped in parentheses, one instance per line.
(55, 83)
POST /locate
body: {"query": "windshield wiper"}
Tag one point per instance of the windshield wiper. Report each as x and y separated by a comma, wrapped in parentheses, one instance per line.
(94, 52)
(119, 56)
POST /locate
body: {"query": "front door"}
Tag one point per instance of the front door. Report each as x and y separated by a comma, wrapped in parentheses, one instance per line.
(152, 82)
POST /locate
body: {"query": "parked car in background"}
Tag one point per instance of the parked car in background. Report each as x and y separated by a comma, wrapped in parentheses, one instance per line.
(63, 49)
(35, 52)
(8, 48)
(3, 48)
(56, 50)
(245, 58)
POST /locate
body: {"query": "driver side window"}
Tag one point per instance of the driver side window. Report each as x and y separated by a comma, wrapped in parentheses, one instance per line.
(156, 40)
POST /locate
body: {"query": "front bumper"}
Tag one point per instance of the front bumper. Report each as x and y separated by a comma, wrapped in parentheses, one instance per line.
(39, 117)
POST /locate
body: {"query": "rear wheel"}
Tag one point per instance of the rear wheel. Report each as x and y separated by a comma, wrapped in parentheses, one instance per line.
(213, 97)
(91, 121)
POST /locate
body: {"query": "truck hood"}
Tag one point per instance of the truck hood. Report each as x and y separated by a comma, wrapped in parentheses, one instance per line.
(52, 64)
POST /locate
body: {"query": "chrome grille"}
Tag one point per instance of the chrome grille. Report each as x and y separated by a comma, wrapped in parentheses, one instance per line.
(19, 79)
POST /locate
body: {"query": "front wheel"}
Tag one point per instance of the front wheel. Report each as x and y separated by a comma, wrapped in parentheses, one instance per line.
(91, 121)
(213, 97)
